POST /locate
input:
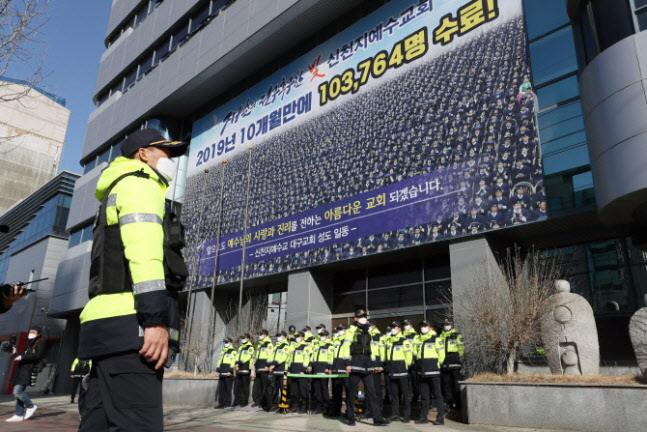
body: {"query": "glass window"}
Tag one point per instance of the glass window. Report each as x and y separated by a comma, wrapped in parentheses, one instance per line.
(553, 56)
(350, 281)
(145, 66)
(87, 233)
(613, 21)
(437, 293)
(544, 16)
(75, 238)
(115, 152)
(395, 274)
(130, 78)
(348, 303)
(180, 35)
(561, 190)
(437, 268)
(408, 296)
(161, 51)
(116, 88)
(141, 15)
(640, 3)
(642, 19)
(557, 92)
(199, 17)
(104, 156)
(564, 153)
(567, 126)
(89, 166)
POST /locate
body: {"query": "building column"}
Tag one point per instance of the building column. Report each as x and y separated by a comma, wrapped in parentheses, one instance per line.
(470, 259)
(66, 355)
(309, 299)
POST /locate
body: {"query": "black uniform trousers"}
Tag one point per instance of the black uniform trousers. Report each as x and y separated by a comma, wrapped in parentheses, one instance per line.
(76, 383)
(451, 389)
(225, 385)
(124, 394)
(320, 390)
(261, 390)
(369, 388)
(400, 387)
(431, 386)
(387, 388)
(377, 383)
(275, 389)
(298, 393)
(414, 378)
(338, 386)
(241, 390)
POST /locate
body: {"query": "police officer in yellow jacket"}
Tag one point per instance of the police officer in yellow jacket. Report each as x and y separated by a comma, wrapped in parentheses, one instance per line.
(243, 371)
(130, 322)
(399, 356)
(225, 369)
(451, 366)
(322, 358)
(360, 364)
(298, 363)
(430, 353)
(278, 368)
(376, 353)
(409, 332)
(261, 390)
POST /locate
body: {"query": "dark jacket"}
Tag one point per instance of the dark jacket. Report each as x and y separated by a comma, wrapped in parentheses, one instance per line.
(32, 355)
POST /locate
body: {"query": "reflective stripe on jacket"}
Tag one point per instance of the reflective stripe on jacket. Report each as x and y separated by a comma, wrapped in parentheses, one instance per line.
(399, 355)
(227, 361)
(245, 358)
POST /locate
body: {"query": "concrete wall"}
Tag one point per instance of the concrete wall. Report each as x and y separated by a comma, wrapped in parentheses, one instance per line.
(309, 299)
(33, 133)
(70, 292)
(583, 408)
(189, 392)
(614, 100)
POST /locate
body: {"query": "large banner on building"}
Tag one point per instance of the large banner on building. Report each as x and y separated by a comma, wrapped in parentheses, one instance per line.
(416, 124)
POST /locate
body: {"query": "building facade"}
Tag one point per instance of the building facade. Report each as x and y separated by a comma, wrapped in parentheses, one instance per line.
(31, 250)
(551, 67)
(32, 130)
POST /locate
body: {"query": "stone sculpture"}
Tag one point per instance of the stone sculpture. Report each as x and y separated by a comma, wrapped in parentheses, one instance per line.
(638, 334)
(569, 334)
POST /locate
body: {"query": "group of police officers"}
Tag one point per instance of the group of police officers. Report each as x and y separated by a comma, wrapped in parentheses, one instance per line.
(425, 362)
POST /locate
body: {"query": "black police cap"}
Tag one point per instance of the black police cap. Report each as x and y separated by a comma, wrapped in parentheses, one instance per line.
(281, 333)
(300, 334)
(406, 321)
(264, 332)
(325, 333)
(308, 328)
(360, 313)
(425, 323)
(291, 329)
(151, 138)
(395, 324)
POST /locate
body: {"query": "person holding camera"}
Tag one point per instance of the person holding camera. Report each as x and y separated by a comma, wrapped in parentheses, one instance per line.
(21, 379)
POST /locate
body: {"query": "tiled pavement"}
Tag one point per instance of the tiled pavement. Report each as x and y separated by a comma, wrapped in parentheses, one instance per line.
(56, 414)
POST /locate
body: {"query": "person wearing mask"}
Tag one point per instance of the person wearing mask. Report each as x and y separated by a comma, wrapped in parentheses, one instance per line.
(338, 367)
(399, 356)
(277, 367)
(376, 353)
(79, 369)
(264, 352)
(132, 318)
(21, 379)
(243, 371)
(410, 334)
(385, 365)
(322, 359)
(307, 335)
(430, 353)
(298, 363)
(356, 350)
(451, 365)
(225, 370)
(292, 334)
(320, 328)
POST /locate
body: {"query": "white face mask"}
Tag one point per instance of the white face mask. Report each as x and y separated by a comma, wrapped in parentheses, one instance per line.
(299, 340)
(165, 166)
(362, 321)
(394, 332)
(319, 331)
(424, 330)
(31, 336)
(281, 339)
(407, 327)
(244, 341)
(447, 328)
(323, 338)
(227, 345)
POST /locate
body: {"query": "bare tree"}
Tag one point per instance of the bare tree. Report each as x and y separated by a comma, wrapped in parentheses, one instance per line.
(499, 316)
(194, 345)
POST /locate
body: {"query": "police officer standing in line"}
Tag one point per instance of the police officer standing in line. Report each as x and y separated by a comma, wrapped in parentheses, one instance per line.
(410, 333)
(264, 352)
(387, 379)
(451, 366)
(338, 367)
(278, 367)
(376, 352)
(292, 334)
(399, 356)
(430, 354)
(79, 369)
(225, 369)
(356, 350)
(298, 363)
(131, 318)
(243, 371)
(322, 359)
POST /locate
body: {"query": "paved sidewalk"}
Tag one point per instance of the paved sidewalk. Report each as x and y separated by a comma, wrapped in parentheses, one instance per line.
(56, 414)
